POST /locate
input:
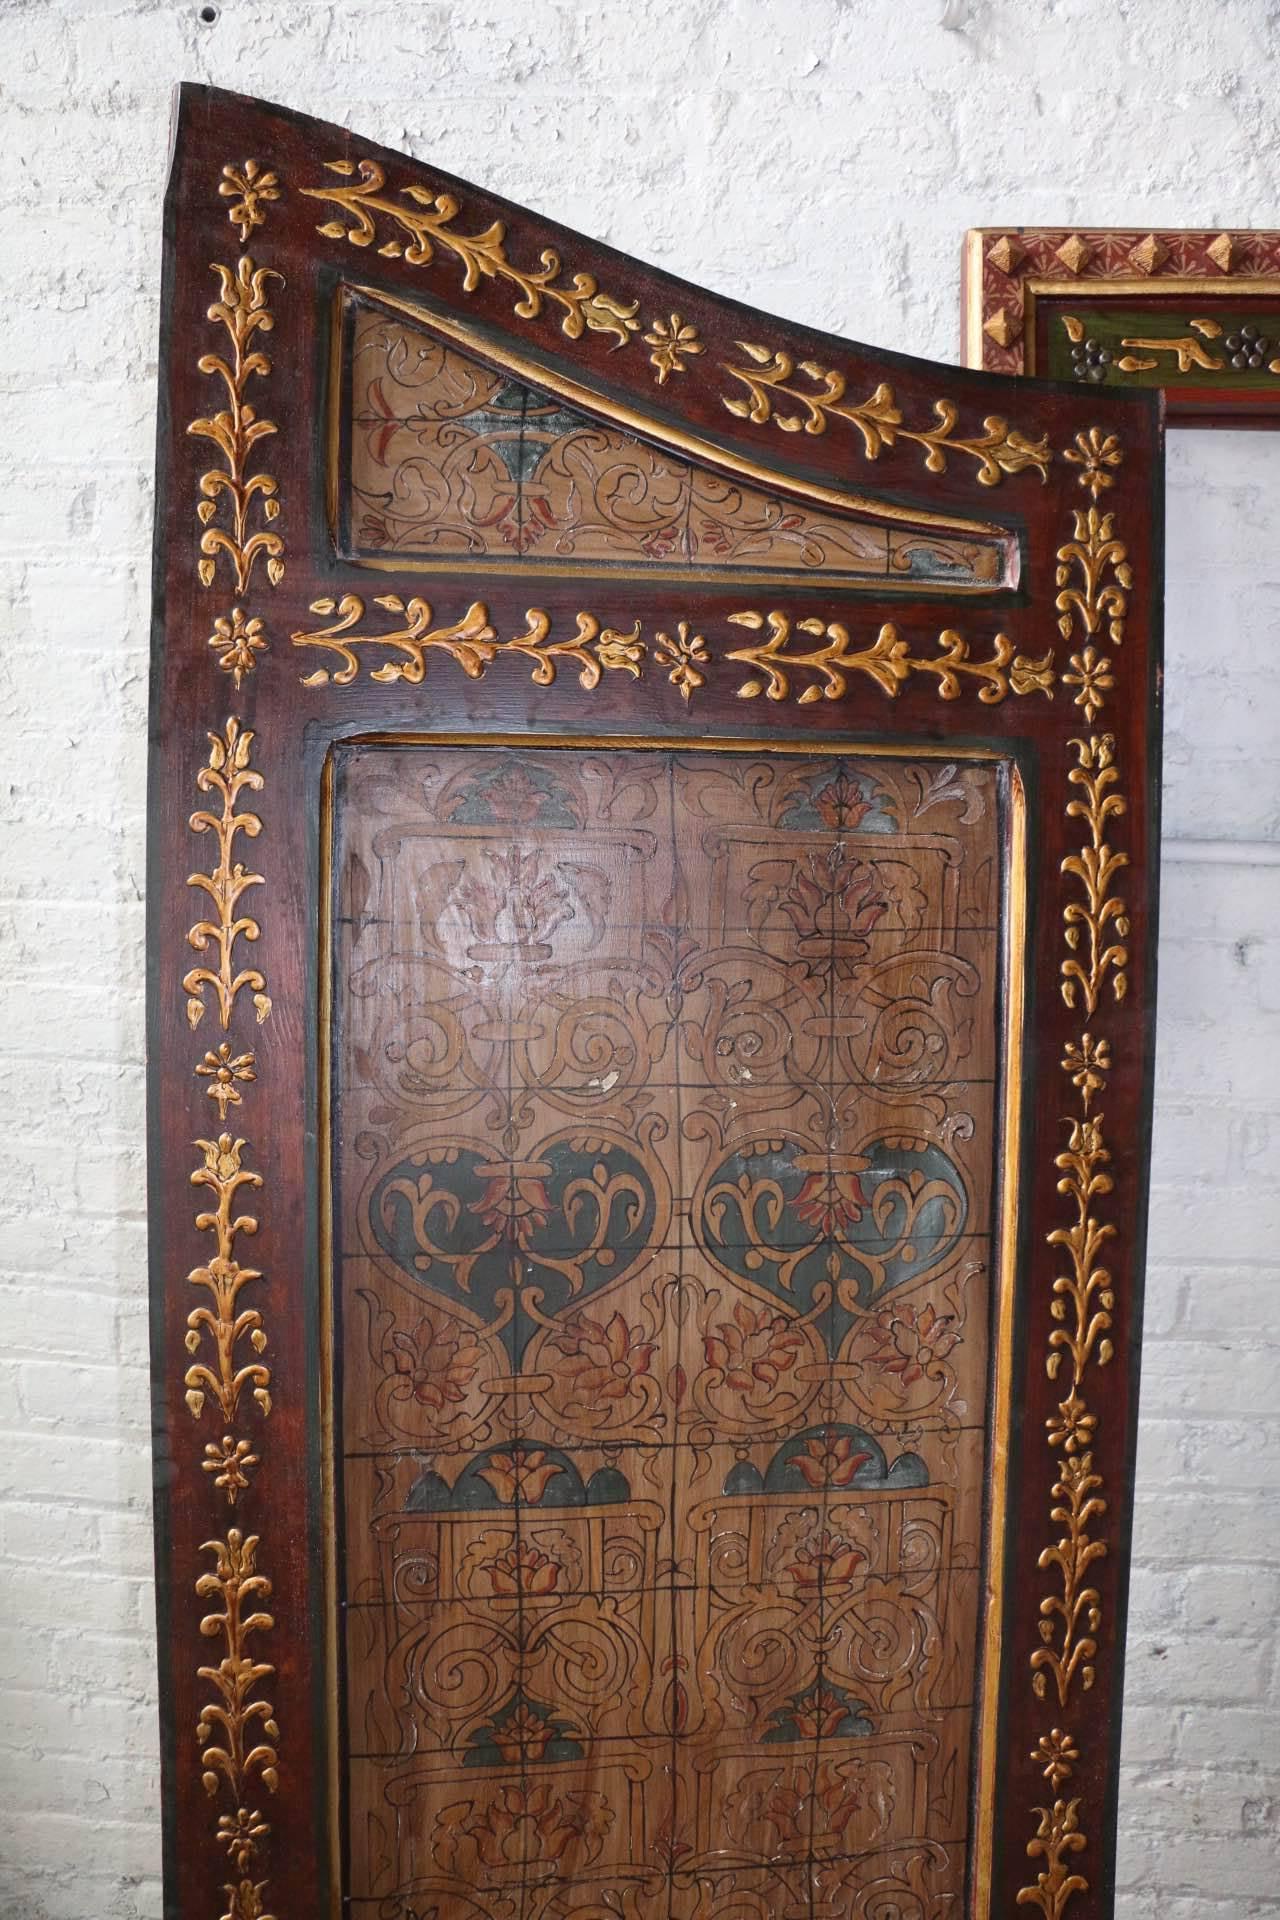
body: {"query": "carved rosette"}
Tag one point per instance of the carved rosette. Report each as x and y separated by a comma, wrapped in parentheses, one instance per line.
(1094, 577)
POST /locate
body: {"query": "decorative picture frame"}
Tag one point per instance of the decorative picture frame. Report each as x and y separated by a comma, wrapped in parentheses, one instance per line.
(1192, 311)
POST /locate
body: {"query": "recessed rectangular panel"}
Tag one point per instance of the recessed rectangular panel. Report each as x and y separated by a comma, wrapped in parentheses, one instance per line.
(667, 1088)
(449, 458)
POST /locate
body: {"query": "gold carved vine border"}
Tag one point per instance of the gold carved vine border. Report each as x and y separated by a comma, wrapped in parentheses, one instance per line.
(227, 1375)
(795, 396)
(1094, 579)
(810, 658)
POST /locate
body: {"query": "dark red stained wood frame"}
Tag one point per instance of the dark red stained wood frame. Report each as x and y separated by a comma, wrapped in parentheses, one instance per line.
(1085, 524)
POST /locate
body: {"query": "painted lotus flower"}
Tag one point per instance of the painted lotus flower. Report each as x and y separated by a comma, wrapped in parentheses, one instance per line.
(435, 1365)
(826, 1562)
(523, 1475)
(524, 1736)
(522, 1570)
(829, 1460)
(813, 1807)
(913, 1342)
(832, 1197)
(754, 1348)
(604, 1358)
(841, 803)
(524, 1825)
(515, 1199)
(512, 796)
(818, 1714)
(833, 896)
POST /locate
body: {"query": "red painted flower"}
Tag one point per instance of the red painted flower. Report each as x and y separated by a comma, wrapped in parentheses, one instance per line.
(829, 1459)
(913, 1342)
(512, 796)
(604, 1358)
(818, 1714)
(435, 1365)
(826, 1562)
(515, 1198)
(842, 802)
(523, 1737)
(754, 1348)
(522, 1570)
(832, 1196)
(522, 1474)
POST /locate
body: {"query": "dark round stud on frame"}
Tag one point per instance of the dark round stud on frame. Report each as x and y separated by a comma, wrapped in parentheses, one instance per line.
(1248, 348)
(208, 16)
(1090, 360)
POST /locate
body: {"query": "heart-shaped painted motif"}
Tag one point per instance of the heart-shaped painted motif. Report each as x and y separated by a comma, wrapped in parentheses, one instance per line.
(499, 1236)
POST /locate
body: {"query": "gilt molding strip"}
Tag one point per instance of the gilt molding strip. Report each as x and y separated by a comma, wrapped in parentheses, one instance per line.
(822, 672)
(1083, 1293)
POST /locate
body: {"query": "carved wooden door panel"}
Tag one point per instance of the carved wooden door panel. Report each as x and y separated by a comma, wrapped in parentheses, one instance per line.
(651, 957)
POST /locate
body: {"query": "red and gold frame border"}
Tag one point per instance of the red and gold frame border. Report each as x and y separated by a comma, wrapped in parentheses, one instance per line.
(252, 694)
(1192, 311)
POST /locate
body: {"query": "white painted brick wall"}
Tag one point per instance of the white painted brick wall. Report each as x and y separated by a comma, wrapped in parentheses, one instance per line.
(820, 158)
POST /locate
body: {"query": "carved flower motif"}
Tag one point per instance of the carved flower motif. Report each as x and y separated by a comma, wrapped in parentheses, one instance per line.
(1093, 453)
(813, 1807)
(523, 1474)
(522, 1570)
(236, 640)
(603, 1357)
(829, 1460)
(515, 1198)
(522, 1825)
(435, 1363)
(223, 1069)
(1072, 1427)
(1056, 1753)
(240, 1833)
(1088, 1064)
(1091, 675)
(253, 186)
(833, 899)
(913, 1342)
(832, 1197)
(826, 1562)
(683, 653)
(671, 340)
(754, 1348)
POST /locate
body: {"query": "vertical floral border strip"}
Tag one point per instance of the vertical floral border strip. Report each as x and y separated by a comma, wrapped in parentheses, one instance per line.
(225, 1340)
(1094, 578)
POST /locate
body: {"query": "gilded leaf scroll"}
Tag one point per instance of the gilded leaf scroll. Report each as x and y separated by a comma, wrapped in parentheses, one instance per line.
(1095, 579)
(243, 310)
(225, 1323)
(229, 775)
(426, 222)
(1094, 955)
(237, 1729)
(888, 661)
(819, 672)
(821, 397)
